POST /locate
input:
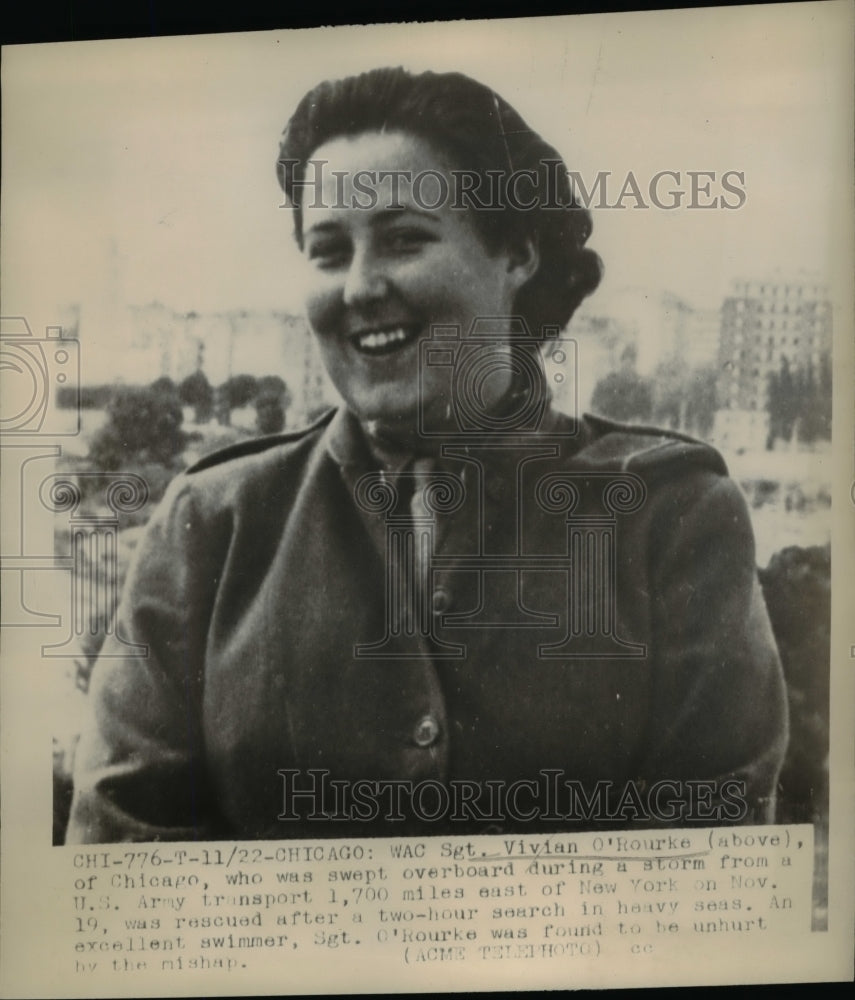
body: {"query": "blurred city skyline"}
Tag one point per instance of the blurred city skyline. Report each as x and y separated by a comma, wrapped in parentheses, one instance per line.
(140, 171)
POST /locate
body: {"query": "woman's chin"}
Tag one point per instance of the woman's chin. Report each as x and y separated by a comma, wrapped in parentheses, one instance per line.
(393, 426)
(401, 421)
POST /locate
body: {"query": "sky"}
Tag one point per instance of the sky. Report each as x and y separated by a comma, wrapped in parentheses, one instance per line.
(143, 170)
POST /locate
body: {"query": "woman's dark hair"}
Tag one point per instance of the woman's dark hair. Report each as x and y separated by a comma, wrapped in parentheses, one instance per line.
(476, 131)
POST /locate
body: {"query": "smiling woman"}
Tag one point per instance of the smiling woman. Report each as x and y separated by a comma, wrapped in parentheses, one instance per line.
(445, 606)
(381, 278)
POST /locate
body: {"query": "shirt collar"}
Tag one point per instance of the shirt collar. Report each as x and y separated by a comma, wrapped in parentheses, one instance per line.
(347, 444)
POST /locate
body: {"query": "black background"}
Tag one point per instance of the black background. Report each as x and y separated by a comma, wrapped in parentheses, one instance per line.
(77, 20)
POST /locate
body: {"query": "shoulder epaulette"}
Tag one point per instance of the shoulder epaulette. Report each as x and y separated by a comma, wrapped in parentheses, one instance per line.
(642, 448)
(254, 446)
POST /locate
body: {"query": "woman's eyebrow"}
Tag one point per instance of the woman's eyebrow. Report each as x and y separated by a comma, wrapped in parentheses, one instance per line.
(322, 227)
(394, 212)
(378, 219)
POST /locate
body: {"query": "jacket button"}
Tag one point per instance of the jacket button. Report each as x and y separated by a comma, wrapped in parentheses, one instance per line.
(441, 600)
(426, 731)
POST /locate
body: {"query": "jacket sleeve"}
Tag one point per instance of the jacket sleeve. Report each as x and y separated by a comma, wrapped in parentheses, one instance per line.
(719, 713)
(140, 772)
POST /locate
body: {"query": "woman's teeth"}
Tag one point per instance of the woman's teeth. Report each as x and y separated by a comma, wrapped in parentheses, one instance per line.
(379, 341)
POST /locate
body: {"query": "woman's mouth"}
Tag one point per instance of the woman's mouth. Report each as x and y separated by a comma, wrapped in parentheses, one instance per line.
(384, 340)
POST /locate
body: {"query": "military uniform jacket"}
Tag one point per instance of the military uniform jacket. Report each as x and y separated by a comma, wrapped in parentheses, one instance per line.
(594, 613)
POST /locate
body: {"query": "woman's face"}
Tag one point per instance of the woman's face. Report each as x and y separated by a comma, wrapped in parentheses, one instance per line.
(381, 276)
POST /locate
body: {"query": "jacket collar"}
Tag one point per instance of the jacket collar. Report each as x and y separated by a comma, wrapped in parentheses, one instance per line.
(347, 444)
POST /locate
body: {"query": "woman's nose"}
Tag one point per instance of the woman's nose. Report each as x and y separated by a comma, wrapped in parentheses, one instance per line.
(365, 280)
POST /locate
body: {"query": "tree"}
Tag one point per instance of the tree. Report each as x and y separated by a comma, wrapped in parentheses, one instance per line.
(237, 391)
(88, 397)
(670, 392)
(623, 395)
(271, 403)
(270, 414)
(272, 385)
(240, 390)
(165, 386)
(783, 404)
(815, 396)
(196, 391)
(143, 425)
(701, 402)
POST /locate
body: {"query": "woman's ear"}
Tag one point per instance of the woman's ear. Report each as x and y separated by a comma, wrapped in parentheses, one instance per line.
(523, 260)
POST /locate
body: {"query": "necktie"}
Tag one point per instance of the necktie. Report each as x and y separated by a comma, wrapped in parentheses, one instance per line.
(424, 525)
(422, 471)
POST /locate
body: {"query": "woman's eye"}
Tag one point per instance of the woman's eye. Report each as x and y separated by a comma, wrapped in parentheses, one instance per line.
(329, 255)
(404, 240)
